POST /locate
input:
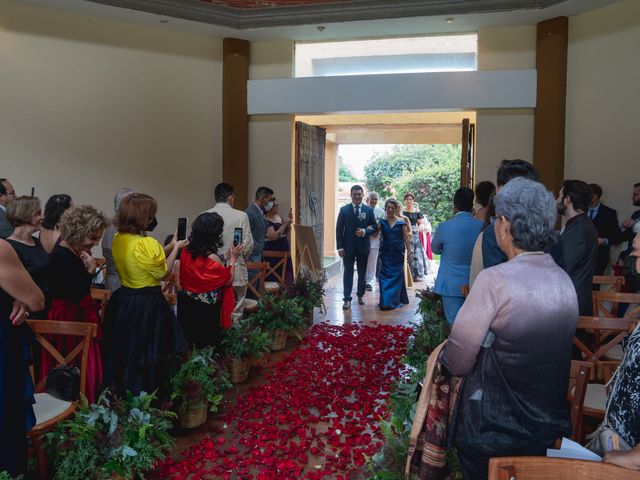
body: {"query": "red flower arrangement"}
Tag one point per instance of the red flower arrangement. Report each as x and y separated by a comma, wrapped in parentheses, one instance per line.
(315, 417)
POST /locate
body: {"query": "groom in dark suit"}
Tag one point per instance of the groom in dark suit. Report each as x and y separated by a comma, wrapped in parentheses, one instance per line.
(356, 222)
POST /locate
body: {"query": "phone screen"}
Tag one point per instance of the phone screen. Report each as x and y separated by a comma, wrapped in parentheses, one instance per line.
(182, 228)
(237, 236)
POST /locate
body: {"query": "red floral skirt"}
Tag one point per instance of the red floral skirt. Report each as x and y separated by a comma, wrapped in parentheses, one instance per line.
(85, 311)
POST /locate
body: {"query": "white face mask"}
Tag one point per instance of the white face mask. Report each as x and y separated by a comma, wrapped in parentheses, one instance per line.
(268, 206)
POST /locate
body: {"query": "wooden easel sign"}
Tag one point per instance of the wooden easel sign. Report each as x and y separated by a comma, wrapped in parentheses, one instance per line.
(307, 251)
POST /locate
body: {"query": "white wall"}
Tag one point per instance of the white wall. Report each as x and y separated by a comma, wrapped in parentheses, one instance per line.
(603, 101)
(270, 136)
(90, 105)
(504, 133)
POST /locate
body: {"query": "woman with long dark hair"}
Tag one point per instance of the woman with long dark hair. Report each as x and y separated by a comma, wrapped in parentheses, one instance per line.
(53, 210)
(206, 300)
(141, 331)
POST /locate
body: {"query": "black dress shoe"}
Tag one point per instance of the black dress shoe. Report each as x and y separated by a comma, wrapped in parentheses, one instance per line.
(360, 301)
(368, 287)
(346, 305)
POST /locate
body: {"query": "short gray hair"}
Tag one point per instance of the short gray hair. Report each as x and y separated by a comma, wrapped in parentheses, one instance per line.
(374, 195)
(120, 194)
(532, 211)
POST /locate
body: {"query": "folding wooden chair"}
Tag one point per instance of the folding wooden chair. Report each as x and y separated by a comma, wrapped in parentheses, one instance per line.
(600, 299)
(543, 468)
(49, 410)
(101, 296)
(278, 270)
(257, 274)
(613, 283)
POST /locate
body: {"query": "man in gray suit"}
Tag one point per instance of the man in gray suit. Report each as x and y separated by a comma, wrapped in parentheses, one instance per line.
(263, 203)
(7, 193)
(233, 219)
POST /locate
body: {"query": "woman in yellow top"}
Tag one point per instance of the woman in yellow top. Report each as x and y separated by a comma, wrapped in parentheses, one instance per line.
(141, 330)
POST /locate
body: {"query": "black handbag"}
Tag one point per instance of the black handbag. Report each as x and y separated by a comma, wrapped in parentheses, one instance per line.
(63, 382)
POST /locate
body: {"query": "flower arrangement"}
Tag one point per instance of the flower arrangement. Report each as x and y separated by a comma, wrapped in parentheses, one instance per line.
(111, 437)
(281, 312)
(199, 380)
(308, 290)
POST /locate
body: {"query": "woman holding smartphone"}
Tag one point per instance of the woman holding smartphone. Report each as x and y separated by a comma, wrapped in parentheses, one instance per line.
(206, 298)
(141, 330)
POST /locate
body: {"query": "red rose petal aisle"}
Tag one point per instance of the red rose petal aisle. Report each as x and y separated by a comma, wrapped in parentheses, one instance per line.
(316, 416)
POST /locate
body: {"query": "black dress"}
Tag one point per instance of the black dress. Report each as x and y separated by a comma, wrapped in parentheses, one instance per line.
(36, 260)
(16, 391)
(631, 274)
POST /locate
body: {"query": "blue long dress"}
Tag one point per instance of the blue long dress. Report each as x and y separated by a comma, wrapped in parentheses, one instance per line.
(393, 292)
(16, 391)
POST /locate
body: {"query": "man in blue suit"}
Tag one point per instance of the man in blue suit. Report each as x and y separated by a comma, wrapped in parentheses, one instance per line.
(454, 241)
(356, 222)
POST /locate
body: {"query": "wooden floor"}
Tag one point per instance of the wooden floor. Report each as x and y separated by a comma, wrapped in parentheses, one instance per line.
(367, 314)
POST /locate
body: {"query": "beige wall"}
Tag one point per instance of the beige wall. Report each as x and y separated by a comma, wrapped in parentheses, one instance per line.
(603, 101)
(270, 136)
(504, 133)
(90, 105)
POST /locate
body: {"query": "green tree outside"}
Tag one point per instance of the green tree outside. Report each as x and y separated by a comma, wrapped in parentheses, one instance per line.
(430, 172)
(344, 172)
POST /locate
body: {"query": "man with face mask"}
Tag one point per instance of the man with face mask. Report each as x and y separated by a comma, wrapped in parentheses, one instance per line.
(579, 240)
(263, 203)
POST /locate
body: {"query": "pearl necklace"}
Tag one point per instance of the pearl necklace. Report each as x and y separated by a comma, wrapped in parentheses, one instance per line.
(530, 253)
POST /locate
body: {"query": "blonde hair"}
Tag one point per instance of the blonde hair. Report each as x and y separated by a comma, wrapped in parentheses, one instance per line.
(80, 223)
(20, 210)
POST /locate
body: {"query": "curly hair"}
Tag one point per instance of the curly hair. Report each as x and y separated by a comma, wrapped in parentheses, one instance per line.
(80, 223)
(206, 235)
(22, 209)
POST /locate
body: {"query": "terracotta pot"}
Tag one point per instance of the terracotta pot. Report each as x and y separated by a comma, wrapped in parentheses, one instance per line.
(278, 340)
(193, 415)
(239, 369)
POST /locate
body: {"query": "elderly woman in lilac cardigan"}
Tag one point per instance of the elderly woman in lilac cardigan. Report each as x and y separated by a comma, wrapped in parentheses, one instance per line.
(512, 339)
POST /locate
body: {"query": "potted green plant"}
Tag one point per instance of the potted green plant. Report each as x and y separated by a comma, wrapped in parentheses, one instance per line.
(308, 290)
(279, 315)
(242, 343)
(112, 438)
(198, 383)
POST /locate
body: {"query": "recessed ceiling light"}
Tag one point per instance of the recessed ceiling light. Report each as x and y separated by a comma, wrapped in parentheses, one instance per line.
(164, 20)
(449, 19)
(320, 28)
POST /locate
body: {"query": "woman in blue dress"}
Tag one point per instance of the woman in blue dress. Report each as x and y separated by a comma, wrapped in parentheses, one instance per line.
(19, 296)
(394, 239)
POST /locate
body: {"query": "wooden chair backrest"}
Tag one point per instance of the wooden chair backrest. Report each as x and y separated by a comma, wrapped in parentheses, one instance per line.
(279, 269)
(103, 296)
(578, 381)
(543, 468)
(257, 275)
(169, 285)
(618, 327)
(614, 281)
(86, 331)
(614, 298)
(464, 290)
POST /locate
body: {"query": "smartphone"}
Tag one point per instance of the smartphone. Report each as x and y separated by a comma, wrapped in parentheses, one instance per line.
(182, 228)
(237, 236)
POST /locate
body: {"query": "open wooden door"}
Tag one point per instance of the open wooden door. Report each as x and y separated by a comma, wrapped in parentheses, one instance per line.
(467, 162)
(309, 182)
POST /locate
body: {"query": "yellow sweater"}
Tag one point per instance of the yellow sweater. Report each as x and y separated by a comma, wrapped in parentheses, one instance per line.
(140, 260)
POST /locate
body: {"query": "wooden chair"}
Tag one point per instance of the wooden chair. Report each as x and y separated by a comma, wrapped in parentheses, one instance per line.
(464, 290)
(49, 410)
(278, 270)
(614, 282)
(616, 330)
(543, 468)
(578, 381)
(102, 296)
(257, 274)
(614, 298)
(169, 285)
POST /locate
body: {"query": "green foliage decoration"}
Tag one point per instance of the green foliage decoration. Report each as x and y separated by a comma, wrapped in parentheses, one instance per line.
(113, 436)
(245, 341)
(344, 172)
(307, 290)
(430, 172)
(199, 379)
(281, 312)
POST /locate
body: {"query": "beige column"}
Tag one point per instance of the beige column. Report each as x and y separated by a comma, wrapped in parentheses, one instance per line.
(330, 196)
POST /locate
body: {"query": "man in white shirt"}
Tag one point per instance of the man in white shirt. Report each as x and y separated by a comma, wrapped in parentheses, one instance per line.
(233, 219)
(7, 193)
(374, 241)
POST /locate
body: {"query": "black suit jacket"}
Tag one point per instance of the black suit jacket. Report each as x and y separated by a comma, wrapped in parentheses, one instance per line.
(580, 245)
(606, 223)
(628, 234)
(347, 225)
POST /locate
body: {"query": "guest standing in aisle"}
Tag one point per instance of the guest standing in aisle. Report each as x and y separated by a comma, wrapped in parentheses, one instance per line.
(394, 241)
